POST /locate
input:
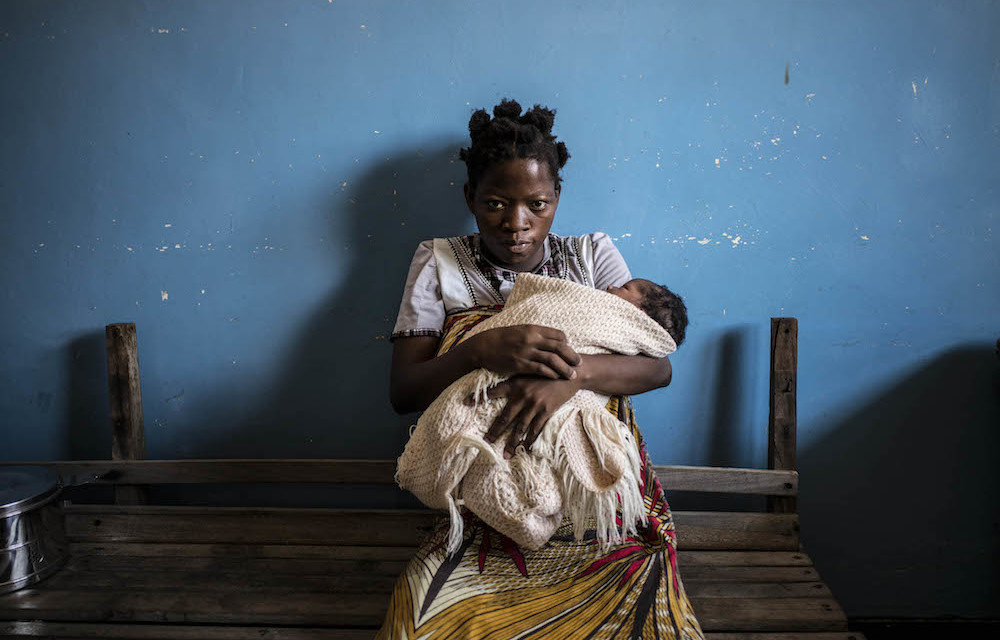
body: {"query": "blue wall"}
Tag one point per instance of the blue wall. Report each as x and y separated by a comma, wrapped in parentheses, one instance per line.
(246, 182)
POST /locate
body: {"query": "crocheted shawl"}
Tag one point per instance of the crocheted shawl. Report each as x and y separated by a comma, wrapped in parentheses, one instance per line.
(583, 466)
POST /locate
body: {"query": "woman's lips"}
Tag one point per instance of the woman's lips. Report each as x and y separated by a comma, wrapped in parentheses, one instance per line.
(517, 247)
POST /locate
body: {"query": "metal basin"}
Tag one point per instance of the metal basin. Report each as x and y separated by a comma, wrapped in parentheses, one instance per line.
(32, 530)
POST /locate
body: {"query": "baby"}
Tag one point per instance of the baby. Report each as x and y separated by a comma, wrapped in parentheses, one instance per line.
(584, 464)
(658, 302)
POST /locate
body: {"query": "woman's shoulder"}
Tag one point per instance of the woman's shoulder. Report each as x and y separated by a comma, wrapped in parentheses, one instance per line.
(594, 259)
(597, 245)
(593, 239)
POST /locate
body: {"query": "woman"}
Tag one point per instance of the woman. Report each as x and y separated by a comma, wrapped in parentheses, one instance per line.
(490, 588)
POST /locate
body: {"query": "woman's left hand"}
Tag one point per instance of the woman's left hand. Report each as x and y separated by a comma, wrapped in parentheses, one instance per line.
(531, 402)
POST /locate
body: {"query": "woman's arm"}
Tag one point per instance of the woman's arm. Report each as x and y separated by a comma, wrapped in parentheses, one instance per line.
(614, 375)
(531, 401)
(418, 376)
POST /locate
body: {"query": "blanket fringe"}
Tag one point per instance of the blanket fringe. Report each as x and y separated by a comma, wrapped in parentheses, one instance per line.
(450, 476)
(584, 506)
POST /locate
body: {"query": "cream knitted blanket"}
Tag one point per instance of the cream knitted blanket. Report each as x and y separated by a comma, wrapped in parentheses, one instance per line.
(584, 464)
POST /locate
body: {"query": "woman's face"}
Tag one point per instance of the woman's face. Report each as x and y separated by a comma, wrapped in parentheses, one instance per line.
(514, 205)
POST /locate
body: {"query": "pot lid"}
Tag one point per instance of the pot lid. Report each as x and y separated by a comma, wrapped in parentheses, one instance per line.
(22, 485)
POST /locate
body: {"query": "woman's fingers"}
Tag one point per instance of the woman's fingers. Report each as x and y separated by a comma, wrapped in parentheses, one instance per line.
(536, 368)
(501, 422)
(515, 440)
(556, 364)
(561, 348)
(535, 428)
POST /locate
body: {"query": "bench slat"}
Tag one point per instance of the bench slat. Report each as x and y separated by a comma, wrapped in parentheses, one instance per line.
(749, 574)
(344, 552)
(282, 575)
(285, 585)
(89, 631)
(716, 613)
(793, 635)
(229, 550)
(112, 523)
(299, 567)
(769, 614)
(138, 472)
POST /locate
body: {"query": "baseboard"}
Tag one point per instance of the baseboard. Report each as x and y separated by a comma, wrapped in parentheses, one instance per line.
(921, 628)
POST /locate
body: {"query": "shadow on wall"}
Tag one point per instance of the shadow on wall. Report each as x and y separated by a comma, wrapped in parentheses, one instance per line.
(731, 425)
(88, 421)
(330, 397)
(908, 487)
(730, 438)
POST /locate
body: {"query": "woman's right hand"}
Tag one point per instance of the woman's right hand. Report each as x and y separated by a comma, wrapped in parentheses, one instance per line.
(526, 349)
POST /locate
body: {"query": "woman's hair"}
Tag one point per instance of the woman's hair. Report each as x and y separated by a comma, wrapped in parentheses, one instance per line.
(667, 308)
(509, 135)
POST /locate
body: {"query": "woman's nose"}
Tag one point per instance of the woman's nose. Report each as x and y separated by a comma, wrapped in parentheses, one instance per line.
(517, 219)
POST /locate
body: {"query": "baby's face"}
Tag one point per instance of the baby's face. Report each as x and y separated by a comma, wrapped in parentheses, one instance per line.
(632, 291)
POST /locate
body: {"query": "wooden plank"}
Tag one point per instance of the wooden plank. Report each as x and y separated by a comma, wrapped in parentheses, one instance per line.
(90, 631)
(349, 552)
(240, 525)
(749, 574)
(284, 585)
(194, 606)
(319, 609)
(181, 551)
(262, 566)
(781, 422)
(717, 589)
(804, 635)
(736, 531)
(675, 478)
(178, 579)
(728, 480)
(128, 440)
(744, 558)
(206, 525)
(769, 614)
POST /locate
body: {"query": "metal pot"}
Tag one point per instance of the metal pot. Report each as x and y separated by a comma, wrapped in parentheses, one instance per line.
(32, 530)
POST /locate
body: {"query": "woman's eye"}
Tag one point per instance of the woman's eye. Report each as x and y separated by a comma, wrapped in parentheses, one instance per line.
(494, 204)
(539, 204)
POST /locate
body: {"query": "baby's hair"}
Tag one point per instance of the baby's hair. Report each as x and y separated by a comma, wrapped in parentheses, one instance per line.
(509, 135)
(667, 308)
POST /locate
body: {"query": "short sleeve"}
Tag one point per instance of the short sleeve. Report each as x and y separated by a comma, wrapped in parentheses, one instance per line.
(610, 269)
(421, 311)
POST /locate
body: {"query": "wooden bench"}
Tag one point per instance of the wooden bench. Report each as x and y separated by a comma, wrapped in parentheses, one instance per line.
(186, 572)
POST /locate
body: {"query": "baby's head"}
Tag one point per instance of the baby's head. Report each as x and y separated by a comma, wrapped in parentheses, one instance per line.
(658, 302)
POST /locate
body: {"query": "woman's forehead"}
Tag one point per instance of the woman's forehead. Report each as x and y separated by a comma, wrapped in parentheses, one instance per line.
(519, 174)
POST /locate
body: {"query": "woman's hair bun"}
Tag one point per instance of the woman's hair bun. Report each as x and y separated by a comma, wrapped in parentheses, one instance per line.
(507, 109)
(540, 117)
(508, 135)
(563, 153)
(478, 123)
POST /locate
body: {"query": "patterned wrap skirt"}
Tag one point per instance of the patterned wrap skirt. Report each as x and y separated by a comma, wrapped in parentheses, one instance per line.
(575, 589)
